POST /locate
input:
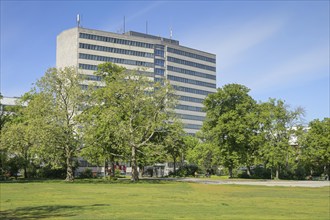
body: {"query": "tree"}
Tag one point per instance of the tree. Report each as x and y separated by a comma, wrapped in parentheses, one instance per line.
(228, 123)
(316, 145)
(16, 141)
(205, 155)
(174, 142)
(52, 109)
(133, 108)
(277, 125)
(99, 121)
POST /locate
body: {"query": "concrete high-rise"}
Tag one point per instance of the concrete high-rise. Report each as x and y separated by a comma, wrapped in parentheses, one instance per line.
(191, 72)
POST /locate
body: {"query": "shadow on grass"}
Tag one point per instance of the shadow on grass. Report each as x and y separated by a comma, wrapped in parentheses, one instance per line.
(40, 212)
(32, 181)
(92, 181)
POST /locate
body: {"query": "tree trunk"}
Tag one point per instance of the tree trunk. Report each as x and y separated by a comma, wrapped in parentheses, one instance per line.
(271, 173)
(25, 172)
(135, 174)
(69, 167)
(248, 171)
(105, 168)
(25, 165)
(277, 175)
(230, 168)
(174, 165)
(141, 171)
(112, 166)
(326, 173)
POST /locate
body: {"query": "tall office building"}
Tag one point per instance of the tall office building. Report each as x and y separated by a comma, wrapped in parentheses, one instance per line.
(191, 72)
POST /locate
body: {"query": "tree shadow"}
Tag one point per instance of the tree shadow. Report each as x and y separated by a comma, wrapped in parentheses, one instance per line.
(39, 212)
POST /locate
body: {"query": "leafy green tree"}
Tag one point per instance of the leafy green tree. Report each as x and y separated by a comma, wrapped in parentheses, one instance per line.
(316, 146)
(99, 121)
(133, 110)
(174, 142)
(228, 123)
(53, 106)
(277, 124)
(16, 141)
(205, 155)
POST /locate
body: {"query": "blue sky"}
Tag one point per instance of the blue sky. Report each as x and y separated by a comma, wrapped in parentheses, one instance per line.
(278, 49)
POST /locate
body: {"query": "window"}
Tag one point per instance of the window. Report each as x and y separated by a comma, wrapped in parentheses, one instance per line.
(159, 72)
(190, 99)
(192, 55)
(190, 90)
(189, 108)
(90, 77)
(159, 53)
(115, 50)
(189, 63)
(115, 40)
(190, 72)
(159, 62)
(190, 81)
(114, 60)
(87, 66)
(191, 117)
(192, 126)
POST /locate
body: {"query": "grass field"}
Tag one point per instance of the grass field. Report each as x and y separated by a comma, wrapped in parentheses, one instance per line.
(161, 200)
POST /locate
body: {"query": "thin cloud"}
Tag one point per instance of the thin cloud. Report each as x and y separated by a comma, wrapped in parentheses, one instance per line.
(233, 46)
(232, 40)
(140, 13)
(301, 68)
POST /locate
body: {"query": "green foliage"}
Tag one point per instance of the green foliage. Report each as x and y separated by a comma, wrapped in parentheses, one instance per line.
(316, 146)
(185, 170)
(171, 138)
(51, 116)
(277, 126)
(204, 155)
(228, 124)
(51, 173)
(124, 115)
(87, 173)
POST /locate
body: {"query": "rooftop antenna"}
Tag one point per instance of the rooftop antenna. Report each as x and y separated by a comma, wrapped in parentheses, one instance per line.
(78, 20)
(171, 33)
(146, 27)
(124, 25)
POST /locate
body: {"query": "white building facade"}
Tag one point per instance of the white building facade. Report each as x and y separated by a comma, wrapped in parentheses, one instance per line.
(191, 72)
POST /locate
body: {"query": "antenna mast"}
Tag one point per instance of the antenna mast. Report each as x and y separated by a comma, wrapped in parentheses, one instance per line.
(78, 20)
(171, 33)
(124, 25)
(146, 27)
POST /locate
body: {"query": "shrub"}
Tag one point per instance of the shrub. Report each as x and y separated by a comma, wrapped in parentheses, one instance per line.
(87, 173)
(243, 175)
(186, 170)
(117, 172)
(260, 172)
(48, 172)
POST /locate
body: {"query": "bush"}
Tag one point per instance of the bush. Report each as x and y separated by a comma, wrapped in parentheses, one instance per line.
(87, 173)
(185, 170)
(259, 172)
(53, 173)
(117, 172)
(243, 175)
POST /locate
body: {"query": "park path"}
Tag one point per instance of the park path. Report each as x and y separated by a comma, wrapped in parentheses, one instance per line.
(288, 183)
(285, 183)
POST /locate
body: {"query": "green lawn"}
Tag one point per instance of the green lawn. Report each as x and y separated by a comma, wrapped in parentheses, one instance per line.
(163, 200)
